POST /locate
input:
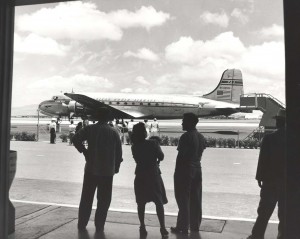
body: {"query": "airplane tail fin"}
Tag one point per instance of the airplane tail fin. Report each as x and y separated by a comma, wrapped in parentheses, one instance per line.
(229, 88)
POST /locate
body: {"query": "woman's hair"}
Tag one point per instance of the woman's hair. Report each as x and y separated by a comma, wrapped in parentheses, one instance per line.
(139, 133)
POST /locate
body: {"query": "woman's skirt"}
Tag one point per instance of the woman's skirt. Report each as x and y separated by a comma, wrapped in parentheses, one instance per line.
(149, 187)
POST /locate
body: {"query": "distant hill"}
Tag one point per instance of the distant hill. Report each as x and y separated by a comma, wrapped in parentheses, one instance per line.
(27, 110)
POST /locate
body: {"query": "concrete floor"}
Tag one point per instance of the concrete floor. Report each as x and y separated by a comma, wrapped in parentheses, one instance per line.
(49, 221)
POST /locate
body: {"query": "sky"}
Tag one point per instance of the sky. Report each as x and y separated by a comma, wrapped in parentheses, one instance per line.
(146, 46)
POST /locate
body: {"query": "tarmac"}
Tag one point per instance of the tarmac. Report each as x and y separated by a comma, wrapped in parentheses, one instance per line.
(47, 217)
(47, 221)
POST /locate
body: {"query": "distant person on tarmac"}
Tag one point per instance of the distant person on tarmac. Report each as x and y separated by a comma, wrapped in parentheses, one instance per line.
(147, 125)
(52, 128)
(270, 178)
(78, 127)
(148, 184)
(130, 128)
(85, 122)
(154, 128)
(103, 158)
(188, 177)
(72, 129)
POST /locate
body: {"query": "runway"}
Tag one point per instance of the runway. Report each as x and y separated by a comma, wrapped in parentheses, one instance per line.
(219, 128)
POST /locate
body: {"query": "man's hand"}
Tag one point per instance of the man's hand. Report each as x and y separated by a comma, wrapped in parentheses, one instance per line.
(259, 183)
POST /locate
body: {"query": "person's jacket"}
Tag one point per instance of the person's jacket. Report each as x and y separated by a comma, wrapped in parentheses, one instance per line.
(104, 154)
(271, 157)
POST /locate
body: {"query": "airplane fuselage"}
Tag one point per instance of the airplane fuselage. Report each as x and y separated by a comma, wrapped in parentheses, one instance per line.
(163, 106)
(149, 105)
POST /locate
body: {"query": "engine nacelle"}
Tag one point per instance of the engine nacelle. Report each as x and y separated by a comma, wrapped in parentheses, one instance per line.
(78, 109)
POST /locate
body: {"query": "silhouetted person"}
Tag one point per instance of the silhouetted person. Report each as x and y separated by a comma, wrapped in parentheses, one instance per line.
(79, 126)
(148, 184)
(72, 128)
(270, 178)
(188, 177)
(130, 128)
(103, 158)
(52, 128)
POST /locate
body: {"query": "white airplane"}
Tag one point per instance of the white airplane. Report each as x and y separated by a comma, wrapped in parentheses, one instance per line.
(223, 100)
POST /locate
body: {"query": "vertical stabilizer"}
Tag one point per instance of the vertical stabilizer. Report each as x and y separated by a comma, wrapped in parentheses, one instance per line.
(230, 87)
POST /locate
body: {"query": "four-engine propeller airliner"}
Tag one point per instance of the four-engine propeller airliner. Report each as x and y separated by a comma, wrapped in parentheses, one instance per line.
(223, 100)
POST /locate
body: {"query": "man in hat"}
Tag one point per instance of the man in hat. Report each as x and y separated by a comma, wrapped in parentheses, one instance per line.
(188, 177)
(270, 178)
(103, 158)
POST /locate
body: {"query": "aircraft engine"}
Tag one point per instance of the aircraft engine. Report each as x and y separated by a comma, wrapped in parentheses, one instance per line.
(78, 109)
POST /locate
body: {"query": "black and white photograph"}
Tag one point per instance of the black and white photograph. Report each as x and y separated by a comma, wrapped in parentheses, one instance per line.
(149, 119)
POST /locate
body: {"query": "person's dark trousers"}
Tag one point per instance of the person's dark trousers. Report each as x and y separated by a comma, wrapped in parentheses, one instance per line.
(129, 137)
(104, 191)
(52, 136)
(188, 194)
(270, 194)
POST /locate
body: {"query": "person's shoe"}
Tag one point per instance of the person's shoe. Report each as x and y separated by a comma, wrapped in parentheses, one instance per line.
(164, 232)
(143, 231)
(178, 230)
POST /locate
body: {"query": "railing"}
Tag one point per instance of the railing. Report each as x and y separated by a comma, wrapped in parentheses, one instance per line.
(256, 95)
(258, 132)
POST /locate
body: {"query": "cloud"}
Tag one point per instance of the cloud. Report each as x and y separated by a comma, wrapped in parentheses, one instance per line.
(200, 64)
(79, 82)
(219, 19)
(272, 31)
(188, 51)
(126, 90)
(146, 17)
(240, 15)
(141, 80)
(83, 21)
(34, 44)
(143, 53)
(142, 90)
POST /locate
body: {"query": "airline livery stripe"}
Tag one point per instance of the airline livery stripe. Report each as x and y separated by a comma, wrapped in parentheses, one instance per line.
(232, 84)
(232, 81)
(223, 96)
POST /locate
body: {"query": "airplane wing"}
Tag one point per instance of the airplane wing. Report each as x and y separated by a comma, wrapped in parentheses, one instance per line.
(94, 104)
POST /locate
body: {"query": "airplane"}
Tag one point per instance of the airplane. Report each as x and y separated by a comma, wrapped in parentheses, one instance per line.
(223, 100)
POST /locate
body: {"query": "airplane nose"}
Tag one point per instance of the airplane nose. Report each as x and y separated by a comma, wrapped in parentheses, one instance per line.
(43, 104)
(46, 106)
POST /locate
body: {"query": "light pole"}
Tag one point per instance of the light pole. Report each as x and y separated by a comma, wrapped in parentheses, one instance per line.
(38, 126)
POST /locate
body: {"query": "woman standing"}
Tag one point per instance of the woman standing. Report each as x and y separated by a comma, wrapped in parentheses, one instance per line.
(148, 184)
